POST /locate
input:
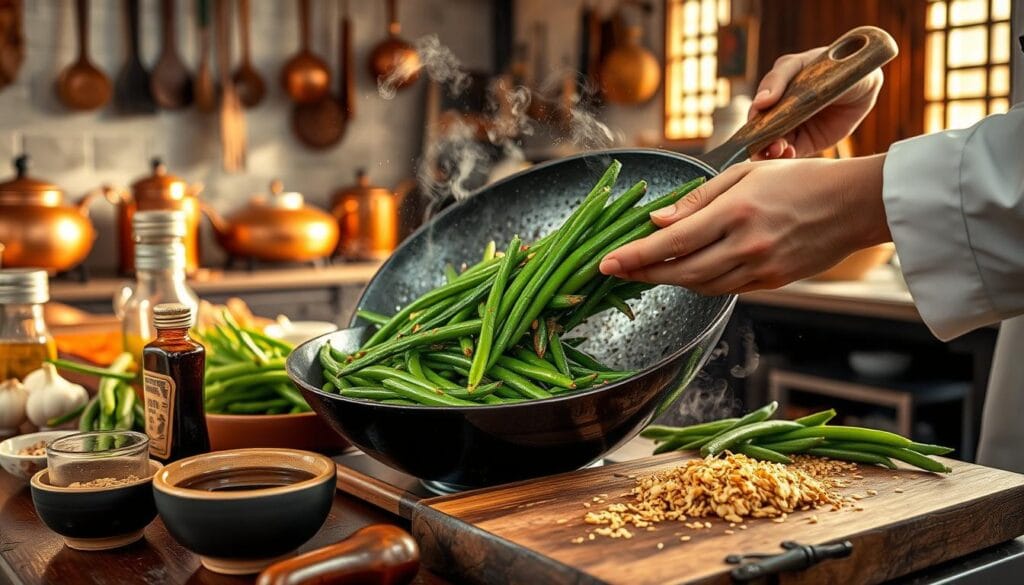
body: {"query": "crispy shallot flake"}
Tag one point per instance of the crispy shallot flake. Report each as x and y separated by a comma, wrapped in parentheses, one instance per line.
(732, 488)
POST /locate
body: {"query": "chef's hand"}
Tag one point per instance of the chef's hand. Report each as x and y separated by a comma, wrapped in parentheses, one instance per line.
(761, 225)
(827, 127)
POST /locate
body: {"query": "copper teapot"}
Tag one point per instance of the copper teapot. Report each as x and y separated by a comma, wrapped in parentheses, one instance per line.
(281, 228)
(367, 218)
(159, 191)
(37, 229)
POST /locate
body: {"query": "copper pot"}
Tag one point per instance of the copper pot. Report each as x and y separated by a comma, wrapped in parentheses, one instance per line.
(393, 60)
(630, 74)
(281, 228)
(367, 218)
(37, 229)
(159, 191)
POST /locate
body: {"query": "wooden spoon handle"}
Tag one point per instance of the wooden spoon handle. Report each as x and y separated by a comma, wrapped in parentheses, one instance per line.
(132, 15)
(82, 21)
(167, 24)
(304, 24)
(243, 28)
(849, 59)
(380, 554)
(394, 28)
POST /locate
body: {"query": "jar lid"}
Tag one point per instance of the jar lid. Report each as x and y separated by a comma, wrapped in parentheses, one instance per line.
(24, 286)
(160, 256)
(172, 316)
(158, 224)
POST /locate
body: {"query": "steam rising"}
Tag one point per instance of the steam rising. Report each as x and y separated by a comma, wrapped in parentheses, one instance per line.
(456, 162)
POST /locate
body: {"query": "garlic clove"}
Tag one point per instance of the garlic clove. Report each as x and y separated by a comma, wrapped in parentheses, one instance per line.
(51, 395)
(13, 398)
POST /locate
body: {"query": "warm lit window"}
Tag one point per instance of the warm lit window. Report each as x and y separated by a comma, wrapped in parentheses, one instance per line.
(967, 55)
(692, 86)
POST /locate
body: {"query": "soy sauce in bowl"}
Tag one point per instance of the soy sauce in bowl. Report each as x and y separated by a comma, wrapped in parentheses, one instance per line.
(245, 478)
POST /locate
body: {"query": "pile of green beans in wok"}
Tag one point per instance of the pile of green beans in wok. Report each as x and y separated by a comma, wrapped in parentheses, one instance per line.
(499, 331)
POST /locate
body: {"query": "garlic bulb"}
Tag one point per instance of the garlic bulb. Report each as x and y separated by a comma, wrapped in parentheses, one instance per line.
(13, 397)
(50, 395)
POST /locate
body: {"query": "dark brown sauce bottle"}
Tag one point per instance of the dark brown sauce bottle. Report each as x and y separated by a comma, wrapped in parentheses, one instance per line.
(172, 382)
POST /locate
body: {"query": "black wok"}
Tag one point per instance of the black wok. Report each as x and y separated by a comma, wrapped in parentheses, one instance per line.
(669, 341)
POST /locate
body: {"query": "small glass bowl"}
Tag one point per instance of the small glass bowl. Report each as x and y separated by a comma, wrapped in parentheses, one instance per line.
(84, 457)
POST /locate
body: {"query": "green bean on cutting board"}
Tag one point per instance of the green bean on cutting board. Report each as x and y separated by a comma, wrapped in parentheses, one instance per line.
(528, 298)
(757, 435)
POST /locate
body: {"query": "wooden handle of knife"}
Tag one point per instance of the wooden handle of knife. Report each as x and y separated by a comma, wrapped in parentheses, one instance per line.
(380, 554)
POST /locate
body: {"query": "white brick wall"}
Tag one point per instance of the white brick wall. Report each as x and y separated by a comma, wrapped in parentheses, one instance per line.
(82, 151)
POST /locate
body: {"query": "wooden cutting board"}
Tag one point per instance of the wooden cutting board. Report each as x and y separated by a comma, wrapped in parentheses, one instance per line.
(523, 532)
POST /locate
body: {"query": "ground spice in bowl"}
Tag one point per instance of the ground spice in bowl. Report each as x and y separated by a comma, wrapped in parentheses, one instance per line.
(37, 449)
(102, 482)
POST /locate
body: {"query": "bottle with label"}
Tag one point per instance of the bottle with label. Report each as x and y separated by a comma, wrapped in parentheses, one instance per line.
(25, 342)
(159, 274)
(172, 383)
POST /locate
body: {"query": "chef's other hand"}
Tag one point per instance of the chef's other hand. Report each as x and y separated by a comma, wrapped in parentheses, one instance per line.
(827, 127)
(760, 225)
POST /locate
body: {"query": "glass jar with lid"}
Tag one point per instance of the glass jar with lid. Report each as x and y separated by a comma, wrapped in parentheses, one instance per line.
(160, 260)
(25, 341)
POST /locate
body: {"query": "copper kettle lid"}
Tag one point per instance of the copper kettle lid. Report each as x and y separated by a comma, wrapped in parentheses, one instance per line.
(160, 181)
(362, 187)
(25, 189)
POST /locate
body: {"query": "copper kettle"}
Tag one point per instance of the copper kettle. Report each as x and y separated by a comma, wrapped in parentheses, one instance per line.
(37, 229)
(159, 191)
(368, 219)
(281, 228)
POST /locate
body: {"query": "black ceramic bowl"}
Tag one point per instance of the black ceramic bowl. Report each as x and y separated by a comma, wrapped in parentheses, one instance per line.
(241, 531)
(98, 518)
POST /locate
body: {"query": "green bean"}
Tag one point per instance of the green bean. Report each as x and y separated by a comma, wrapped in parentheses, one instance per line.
(245, 339)
(108, 386)
(216, 374)
(906, 455)
(586, 381)
(242, 394)
(540, 338)
(683, 443)
(342, 382)
(558, 354)
(468, 301)
(725, 440)
(620, 305)
(140, 416)
(754, 416)
(545, 375)
(530, 357)
(620, 206)
(466, 345)
(279, 344)
(325, 356)
(763, 453)
(257, 407)
(271, 377)
(584, 360)
(554, 269)
(841, 433)
(67, 416)
(289, 393)
(424, 319)
(414, 364)
(482, 352)
(560, 302)
(519, 384)
(660, 432)
(358, 380)
(399, 402)
(394, 346)
(818, 418)
(422, 396)
(464, 282)
(381, 373)
(365, 393)
(330, 388)
(106, 423)
(125, 415)
(632, 225)
(855, 456)
(438, 380)
(372, 317)
(449, 273)
(794, 446)
(476, 393)
(489, 250)
(91, 370)
(926, 449)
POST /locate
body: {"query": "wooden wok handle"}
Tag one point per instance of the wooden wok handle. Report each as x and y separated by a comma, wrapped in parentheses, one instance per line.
(82, 23)
(380, 554)
(849, 59)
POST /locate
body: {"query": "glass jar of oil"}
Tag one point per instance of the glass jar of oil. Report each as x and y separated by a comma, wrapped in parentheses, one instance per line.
(25, 341)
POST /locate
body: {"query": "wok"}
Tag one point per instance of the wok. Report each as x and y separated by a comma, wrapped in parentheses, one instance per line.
(671, 338)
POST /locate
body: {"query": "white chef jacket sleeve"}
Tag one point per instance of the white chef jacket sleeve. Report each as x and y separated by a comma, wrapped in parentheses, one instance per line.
(955, 206)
